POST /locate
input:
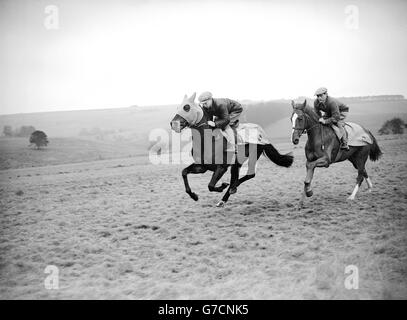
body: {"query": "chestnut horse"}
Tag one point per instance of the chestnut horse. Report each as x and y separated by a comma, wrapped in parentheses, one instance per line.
(323, 148)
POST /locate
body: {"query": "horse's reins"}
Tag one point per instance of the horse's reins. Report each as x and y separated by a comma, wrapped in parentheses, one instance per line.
(318, 124)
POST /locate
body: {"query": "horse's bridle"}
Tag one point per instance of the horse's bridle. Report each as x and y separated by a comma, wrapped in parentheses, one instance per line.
(302, 130)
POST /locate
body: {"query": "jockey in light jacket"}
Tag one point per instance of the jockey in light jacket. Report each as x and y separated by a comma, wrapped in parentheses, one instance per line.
(335, 113)
(227, 113)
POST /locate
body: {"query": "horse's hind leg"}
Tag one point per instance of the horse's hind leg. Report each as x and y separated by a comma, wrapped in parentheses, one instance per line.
(251, 167)
(369, 183)
(193, 168)
(359, 162)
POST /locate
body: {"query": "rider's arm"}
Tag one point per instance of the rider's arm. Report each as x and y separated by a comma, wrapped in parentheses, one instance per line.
(222, 118)
(236, 107)
(316, 109)
(335, 114)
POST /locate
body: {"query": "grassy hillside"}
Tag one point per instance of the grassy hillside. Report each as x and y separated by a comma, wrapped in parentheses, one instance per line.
(15, 152)
(123, 132)
(135, 123)
(125, 121)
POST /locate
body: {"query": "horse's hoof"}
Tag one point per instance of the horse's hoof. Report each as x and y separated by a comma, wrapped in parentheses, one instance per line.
(350, 198)
(220, 204)
(232, 190)
(309, 193)
(194, 196)
(224, 185)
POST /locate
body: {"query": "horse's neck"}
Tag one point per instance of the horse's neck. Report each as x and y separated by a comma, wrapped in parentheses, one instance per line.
(202, 136)
(201, 118)
(312, 117)
(318, 135)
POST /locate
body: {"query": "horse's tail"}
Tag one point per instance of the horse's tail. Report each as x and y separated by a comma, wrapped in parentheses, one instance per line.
(375, 152)
(284, 160)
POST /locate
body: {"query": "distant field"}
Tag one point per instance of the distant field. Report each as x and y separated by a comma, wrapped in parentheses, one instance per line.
(135, 123)
(15, 153)
(124, 132)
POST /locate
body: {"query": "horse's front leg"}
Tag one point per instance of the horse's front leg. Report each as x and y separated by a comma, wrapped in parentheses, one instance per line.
(195, 169)
(217, 175)
(310, 166)
(234, 181)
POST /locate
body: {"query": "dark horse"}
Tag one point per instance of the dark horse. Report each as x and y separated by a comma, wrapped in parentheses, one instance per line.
(191, 115)
(323, 148)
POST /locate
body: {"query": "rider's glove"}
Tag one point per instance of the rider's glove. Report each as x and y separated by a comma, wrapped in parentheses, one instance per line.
(322, 120)
(212, 124)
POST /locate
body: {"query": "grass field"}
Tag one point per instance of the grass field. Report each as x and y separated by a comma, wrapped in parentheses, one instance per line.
(15, 152)
(125, 229)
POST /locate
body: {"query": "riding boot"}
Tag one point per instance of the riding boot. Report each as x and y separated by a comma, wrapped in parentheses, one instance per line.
(231, 145)
(344, 134)
(344, 144)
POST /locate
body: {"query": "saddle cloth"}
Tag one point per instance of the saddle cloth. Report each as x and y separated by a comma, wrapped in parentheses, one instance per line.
(250, 133)
(357, 135)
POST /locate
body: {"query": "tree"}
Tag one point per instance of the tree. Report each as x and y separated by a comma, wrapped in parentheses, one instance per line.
(8, 131)
(394, 126)
(39, 138)
(25, 131)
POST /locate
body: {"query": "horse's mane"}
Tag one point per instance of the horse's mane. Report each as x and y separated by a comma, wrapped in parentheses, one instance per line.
(311, 112)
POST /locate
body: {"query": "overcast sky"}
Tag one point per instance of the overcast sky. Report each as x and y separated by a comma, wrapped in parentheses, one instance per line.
(107, 54)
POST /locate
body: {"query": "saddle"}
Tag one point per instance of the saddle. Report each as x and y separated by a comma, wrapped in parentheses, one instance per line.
(250, 133)
(357, 135)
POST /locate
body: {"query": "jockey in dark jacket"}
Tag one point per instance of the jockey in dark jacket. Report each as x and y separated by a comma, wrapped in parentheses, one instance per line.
(335, 113)
(226, 112)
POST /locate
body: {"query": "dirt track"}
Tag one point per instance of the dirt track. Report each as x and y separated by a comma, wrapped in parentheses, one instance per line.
(124, 231)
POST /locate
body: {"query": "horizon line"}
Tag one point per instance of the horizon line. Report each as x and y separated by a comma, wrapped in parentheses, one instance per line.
(401, 96)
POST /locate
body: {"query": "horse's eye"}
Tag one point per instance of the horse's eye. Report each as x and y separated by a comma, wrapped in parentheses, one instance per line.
(187, 107)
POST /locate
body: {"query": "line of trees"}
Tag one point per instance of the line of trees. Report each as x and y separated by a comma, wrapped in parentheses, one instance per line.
(23, 131)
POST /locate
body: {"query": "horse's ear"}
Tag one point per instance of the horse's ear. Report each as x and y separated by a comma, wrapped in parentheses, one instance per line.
(185, 97)
(305, 103)
(192, 98)
(293, 103)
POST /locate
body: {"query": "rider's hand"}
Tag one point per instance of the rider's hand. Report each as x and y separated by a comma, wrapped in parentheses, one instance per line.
(322, 120)
(212, 124)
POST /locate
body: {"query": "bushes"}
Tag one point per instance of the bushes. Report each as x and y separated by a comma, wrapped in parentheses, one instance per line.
(394, 126)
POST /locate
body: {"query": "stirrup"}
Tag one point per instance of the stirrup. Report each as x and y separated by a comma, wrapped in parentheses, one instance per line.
(344, 146)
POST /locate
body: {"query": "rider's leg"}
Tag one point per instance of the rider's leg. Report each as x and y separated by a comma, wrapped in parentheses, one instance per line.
(230, 137)
(341, 126)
